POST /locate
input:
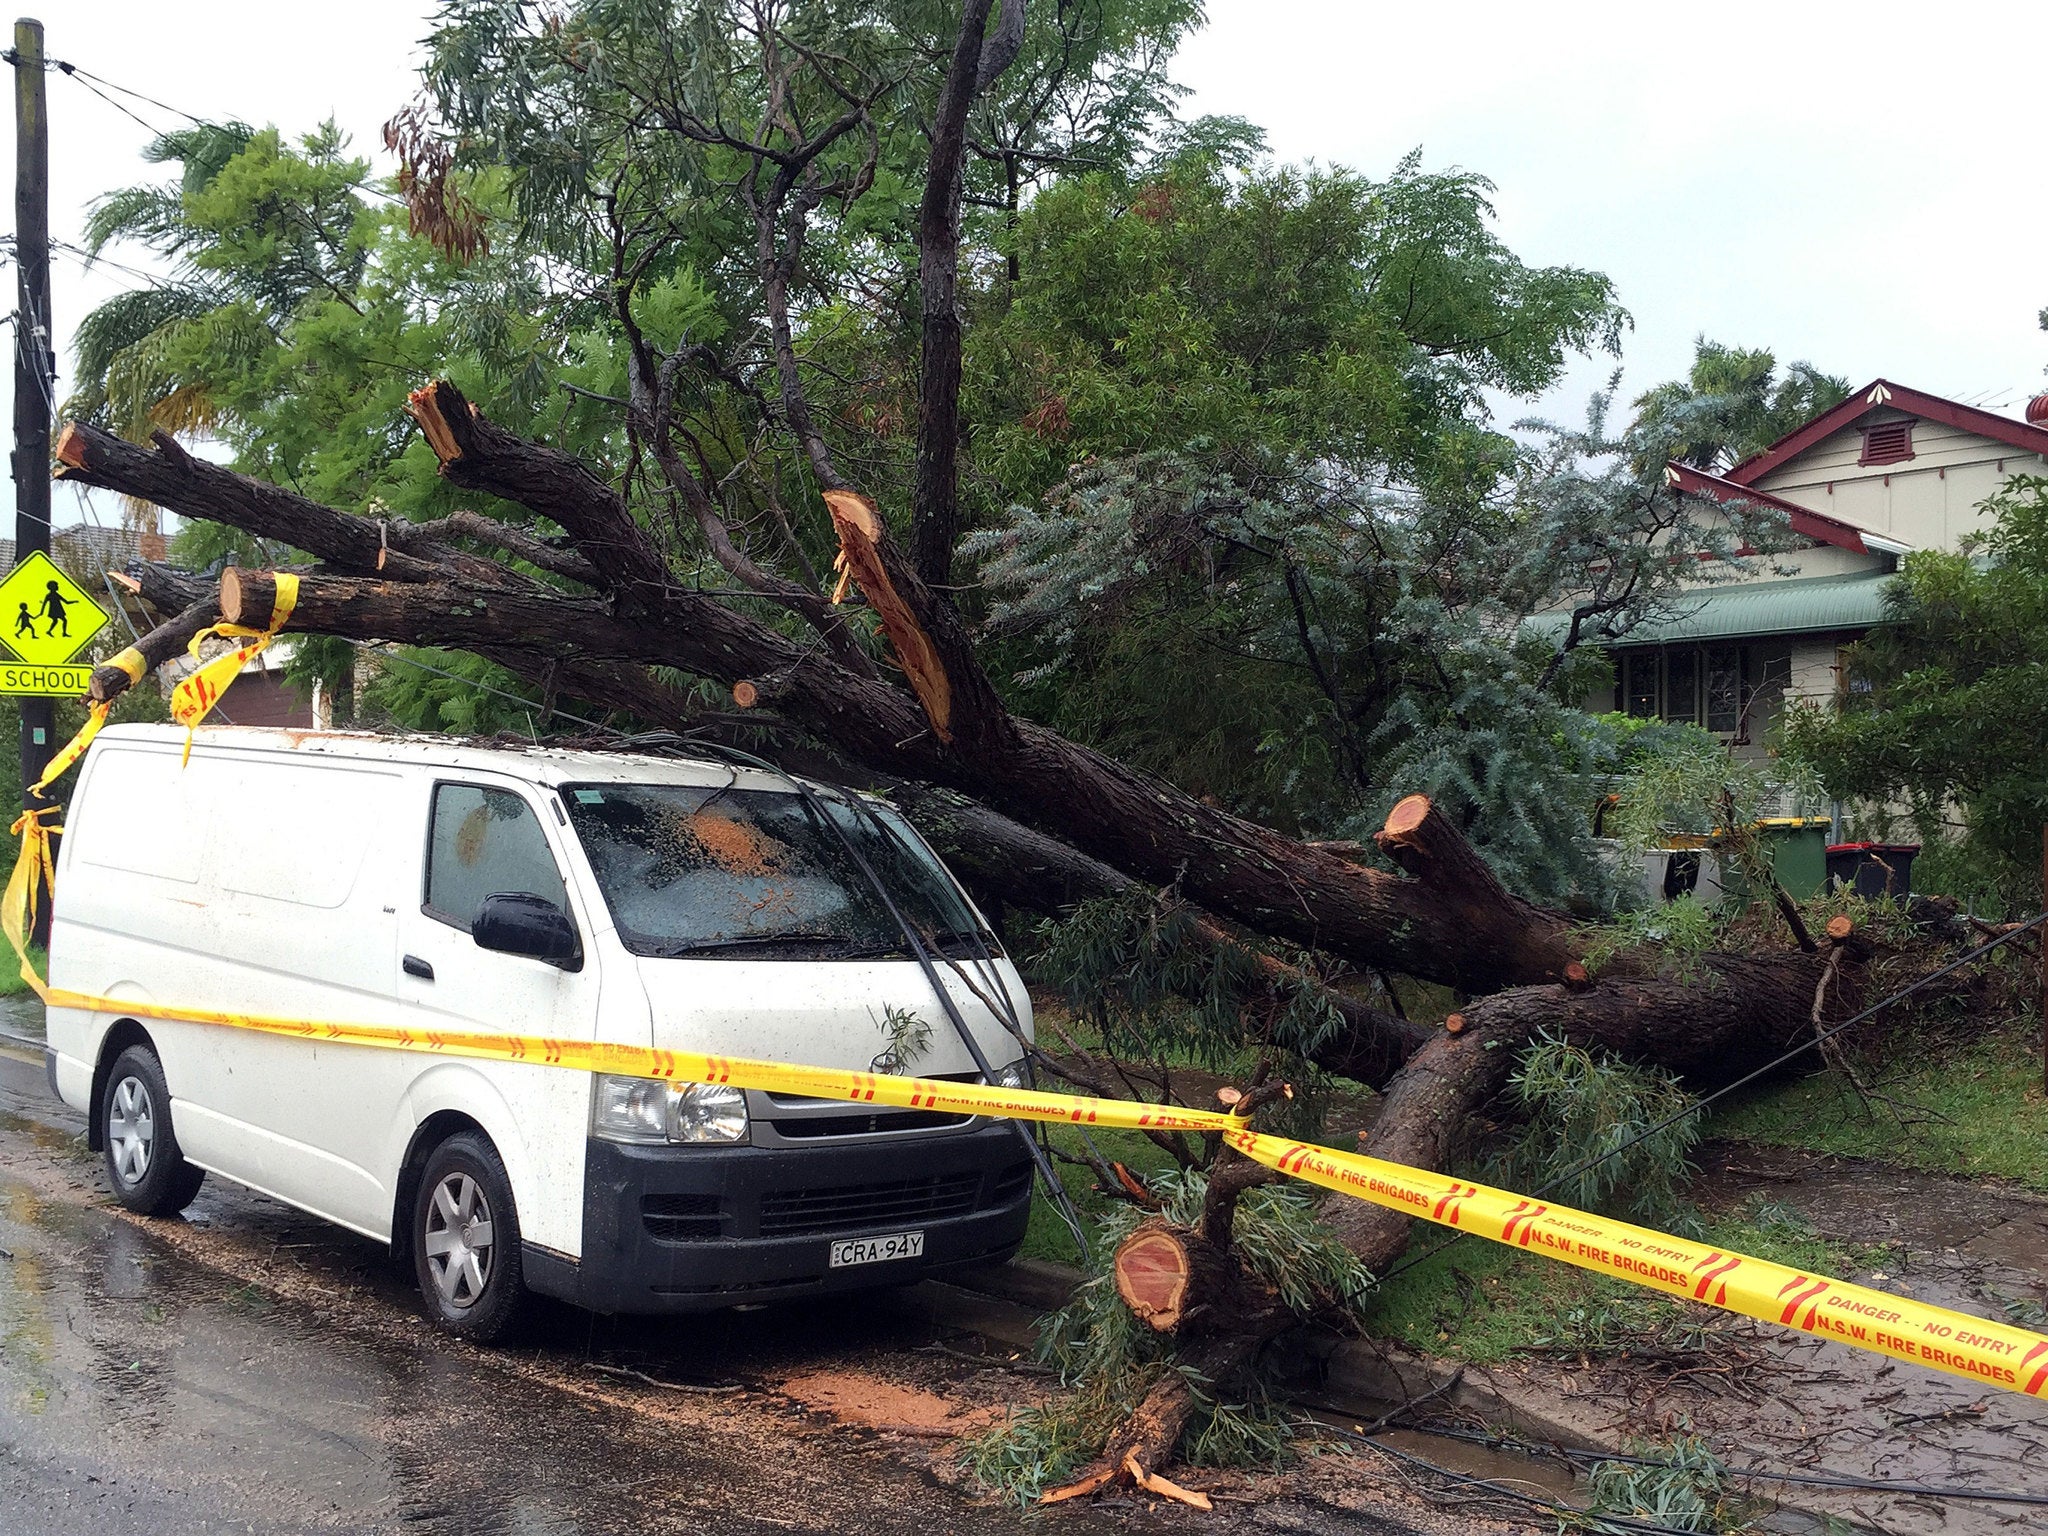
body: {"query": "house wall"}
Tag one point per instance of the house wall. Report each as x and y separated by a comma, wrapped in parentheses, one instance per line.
(1814, 559)
(1930, 501)
(265, 698)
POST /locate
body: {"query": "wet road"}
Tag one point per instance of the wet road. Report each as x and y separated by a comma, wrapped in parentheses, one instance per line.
(249, 1370)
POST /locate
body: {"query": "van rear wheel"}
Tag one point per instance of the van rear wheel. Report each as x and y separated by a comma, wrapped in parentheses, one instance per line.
(148, 1173)
(465, 1240)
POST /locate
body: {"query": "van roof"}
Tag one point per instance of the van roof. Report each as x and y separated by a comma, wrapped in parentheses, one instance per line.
(536, 764)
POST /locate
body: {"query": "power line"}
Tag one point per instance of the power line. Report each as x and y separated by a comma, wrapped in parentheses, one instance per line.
(129, 113)
(92, 82)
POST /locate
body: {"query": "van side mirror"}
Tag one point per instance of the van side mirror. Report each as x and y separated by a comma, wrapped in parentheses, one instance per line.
(519, 923)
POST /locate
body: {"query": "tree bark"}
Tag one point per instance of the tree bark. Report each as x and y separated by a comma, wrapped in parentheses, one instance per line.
(173, 478)
(935, 485)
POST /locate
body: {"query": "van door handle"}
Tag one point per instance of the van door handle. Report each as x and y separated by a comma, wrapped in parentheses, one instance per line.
(415, 966)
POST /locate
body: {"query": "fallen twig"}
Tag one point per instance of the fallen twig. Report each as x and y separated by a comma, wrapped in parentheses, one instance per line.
(656, 1381)
(1024, 1367)
(1441, 1389)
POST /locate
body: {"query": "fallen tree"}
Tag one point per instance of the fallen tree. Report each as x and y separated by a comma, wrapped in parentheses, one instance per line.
(1445, 917)
(1429, 927)
(563, 580)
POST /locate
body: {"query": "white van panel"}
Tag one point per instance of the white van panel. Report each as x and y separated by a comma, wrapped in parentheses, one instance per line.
(258, 904)
(140, 821)
(332, 818)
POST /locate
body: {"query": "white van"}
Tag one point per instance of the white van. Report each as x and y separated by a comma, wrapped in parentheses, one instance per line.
(634, 899)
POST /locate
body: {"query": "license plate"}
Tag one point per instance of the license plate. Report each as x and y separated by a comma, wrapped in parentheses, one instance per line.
(878, 1250)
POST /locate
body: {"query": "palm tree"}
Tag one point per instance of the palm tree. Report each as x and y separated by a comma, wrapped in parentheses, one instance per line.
(1734, 402)
(127, 381)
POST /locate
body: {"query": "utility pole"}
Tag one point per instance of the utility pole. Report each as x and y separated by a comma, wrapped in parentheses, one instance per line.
(35, 361)
(35, 366)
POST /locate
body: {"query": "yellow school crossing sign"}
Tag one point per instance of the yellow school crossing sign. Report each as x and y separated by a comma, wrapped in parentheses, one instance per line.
(46, 618)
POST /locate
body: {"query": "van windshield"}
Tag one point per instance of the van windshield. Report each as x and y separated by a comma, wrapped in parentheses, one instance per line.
(751, 874)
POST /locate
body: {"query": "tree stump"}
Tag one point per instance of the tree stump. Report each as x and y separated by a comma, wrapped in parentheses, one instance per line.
(1167, 1274)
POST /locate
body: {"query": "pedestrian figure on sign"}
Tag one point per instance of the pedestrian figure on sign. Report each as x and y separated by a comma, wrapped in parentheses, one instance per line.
(54, 606)
(25, 624)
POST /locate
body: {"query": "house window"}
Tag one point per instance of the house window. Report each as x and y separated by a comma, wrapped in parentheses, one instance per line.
(1724, 689)
(1682, 685)
(1639, 683)
(1851, 678)
(1888, 442)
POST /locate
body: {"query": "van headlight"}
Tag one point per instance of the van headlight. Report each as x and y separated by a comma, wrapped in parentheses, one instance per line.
(709, 1112)
(1016, 1075)
(650, 1111)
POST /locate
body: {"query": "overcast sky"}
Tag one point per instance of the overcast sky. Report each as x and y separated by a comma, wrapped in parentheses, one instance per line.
(1857, 186)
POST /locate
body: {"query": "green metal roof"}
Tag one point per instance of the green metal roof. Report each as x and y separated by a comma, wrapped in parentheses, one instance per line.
(1803, 605)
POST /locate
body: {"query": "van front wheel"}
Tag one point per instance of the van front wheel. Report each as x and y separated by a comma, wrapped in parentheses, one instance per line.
(465, 1240)
(148, 1173)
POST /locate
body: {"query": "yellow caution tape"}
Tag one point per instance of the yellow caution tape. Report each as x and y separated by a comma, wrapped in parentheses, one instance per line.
(34, 866)
(129, 661)
(74, 749)
(194, 698)
(1993, 1354)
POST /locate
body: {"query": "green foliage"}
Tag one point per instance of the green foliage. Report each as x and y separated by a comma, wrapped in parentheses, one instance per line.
(1679, 928)
(1678, 1484)
(1682, 781)
(1947, 710)
(12, 983)
(1149, 977)
(1107, 1359)
(906, 1035)
(441, 695)
(1585, 1109)
(1198, 389)
(1968, 1105)
(1252, 588)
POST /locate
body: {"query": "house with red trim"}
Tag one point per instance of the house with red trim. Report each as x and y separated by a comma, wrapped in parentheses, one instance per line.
(1888, 471)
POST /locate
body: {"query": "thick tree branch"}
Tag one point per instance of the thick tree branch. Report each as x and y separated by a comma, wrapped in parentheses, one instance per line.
(192, 487)
(431, 539)
(168, 639)
(935, 493)
(476, 454)
(1731, 1015)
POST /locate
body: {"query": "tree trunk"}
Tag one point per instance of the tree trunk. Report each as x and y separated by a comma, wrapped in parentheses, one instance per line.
(1731, 1015)
(1186, 1284)
(1166, 1275)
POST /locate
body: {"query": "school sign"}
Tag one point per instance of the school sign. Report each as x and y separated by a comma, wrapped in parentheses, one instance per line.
(46, 618)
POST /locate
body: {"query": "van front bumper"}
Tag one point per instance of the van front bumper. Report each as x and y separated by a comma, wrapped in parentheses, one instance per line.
(688, 1229)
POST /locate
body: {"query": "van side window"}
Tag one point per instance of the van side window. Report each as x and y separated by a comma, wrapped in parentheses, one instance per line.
(485, 842)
